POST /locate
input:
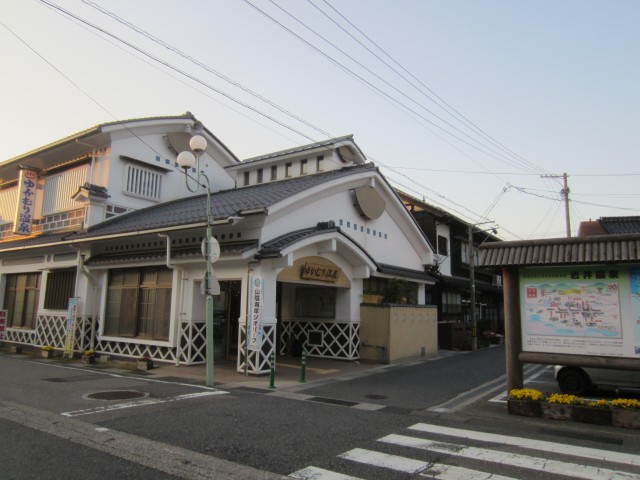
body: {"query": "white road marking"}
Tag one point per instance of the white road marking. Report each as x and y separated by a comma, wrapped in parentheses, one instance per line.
(139, 403)
(384, 460)
(540, 445)
(440, 471)
(504, 458)
(502, 398)
(315, 473)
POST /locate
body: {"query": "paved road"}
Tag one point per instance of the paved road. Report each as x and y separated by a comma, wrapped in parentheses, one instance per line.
(388, 423)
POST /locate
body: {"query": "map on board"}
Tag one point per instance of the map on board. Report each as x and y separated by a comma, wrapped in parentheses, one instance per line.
(580, 309)
(634, 278)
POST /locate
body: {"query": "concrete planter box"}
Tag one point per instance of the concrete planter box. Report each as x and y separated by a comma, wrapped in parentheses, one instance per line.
(391, 333)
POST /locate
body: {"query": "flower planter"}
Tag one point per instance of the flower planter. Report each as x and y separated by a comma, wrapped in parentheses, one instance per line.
(556, 411)
(525, 408)
(144, 364)
(46, 353)
(15, 349)
(625, 418)
(594, 416)
(88, 359)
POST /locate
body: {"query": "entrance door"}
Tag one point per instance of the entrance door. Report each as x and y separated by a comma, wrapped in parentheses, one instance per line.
(226, 311)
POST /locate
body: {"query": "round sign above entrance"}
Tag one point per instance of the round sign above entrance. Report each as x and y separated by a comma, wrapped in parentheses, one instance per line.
(370, 203)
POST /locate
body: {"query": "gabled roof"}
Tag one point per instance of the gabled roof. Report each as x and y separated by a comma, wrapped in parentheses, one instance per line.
(224, 204)
(562, 251)
(620, 225)
(304, 148)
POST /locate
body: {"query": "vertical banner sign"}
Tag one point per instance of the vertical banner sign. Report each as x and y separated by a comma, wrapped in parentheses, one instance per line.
(70, 337)
(254, 325)
(26, 201)
(3, 324)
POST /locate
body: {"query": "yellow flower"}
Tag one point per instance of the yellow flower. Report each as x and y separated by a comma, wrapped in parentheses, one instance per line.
(562, 398)
(626, 403)
(47, 348)
(594, 403)
(89, 353)
(528, 394)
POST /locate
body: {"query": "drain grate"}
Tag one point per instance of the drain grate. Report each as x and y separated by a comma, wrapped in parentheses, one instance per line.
(582, 436)
(333, 401)
(116, 395)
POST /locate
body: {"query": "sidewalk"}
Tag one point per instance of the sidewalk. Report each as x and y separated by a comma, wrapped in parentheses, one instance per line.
(287, 372)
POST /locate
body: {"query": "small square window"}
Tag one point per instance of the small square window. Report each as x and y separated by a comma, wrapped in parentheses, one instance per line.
(246, 178)
(274, 172)
(320, 163)
(259, 179)
(287, 169)
(303, 167)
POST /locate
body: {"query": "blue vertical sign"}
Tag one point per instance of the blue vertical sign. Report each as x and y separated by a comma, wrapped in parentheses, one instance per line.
(254, 322)
(25, 208)
(70, 337)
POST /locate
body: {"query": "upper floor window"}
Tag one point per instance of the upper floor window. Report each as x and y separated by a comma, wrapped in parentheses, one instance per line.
(21, 295)
(246, 178)
(143, 182)
(320, 163)
(303, 167)
(443, 245)
(274, 172)
(465, 254)
(287, 169)
(259, 172)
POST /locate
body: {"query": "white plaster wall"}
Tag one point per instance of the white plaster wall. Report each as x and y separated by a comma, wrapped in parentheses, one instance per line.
(389, 245)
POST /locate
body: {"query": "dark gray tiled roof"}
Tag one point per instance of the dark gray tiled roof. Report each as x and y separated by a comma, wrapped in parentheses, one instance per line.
(562, 251)
(46, 239)
(620, 225)
(405, 272)
(273, 247)
(224, 204)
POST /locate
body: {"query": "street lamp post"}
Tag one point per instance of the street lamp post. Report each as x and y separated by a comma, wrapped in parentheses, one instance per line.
(211, 249)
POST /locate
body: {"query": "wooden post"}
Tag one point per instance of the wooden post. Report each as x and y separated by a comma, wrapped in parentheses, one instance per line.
(512, 328)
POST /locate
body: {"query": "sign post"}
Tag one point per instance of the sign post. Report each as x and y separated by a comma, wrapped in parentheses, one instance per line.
(70, 337)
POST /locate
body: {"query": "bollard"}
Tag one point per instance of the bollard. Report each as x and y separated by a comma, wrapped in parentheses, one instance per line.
(303, 367)
(272, 380)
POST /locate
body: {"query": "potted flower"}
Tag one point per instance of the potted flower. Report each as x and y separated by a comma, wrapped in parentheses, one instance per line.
(625, 412)
(525, 401)
(89, 356)
(47, 351)
(144, 363)
(558, 406)
(595, 412)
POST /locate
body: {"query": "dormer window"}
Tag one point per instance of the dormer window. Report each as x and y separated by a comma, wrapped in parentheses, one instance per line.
(303, 167)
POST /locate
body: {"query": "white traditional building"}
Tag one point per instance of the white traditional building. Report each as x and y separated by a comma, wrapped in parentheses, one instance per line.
(111, 223)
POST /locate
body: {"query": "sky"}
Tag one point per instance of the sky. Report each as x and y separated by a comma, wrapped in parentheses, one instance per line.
(478, 107)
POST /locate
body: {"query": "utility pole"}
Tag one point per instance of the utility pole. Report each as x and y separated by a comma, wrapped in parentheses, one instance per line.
(565, 195)
(472, 290)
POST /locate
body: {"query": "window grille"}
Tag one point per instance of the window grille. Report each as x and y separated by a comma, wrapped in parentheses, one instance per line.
(60, 287)
(8, 201)
(143, 182)
(59, 188)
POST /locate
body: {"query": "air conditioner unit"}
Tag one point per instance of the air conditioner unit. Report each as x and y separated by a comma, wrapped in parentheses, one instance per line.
(496, 281)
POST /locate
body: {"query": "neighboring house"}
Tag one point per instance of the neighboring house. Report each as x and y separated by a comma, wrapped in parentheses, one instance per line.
(609, 226)
(319, 226)
(452, 292)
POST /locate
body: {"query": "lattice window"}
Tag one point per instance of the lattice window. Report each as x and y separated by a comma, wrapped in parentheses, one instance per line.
(59, 188)
(143, 182)
(8, 201)
(22, 293)
(60, 287)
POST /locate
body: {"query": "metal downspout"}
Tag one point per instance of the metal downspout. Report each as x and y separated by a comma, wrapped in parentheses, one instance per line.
(181, 304)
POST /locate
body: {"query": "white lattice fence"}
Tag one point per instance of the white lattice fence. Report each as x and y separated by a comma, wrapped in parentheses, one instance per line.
(259, 361)
(27, 337)
(193, 343)
(136, 350)
(52, 330)
(330, 339)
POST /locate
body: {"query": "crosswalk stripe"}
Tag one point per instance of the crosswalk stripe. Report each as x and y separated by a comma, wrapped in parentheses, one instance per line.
(540, 464)
(440, 471)
(384, 460)
(315, 473)
(541, 445)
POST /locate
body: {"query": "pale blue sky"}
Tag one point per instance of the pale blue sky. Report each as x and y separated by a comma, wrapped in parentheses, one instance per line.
(554, 84)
